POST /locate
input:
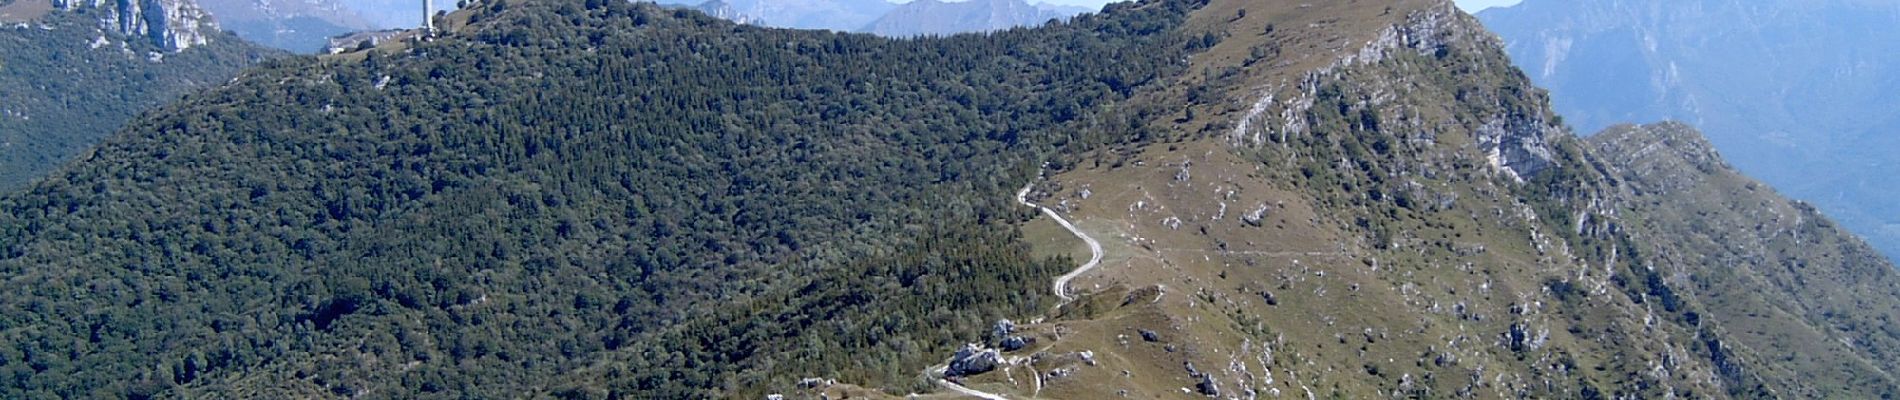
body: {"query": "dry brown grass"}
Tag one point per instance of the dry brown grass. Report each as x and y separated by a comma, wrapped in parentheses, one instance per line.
(18, 11)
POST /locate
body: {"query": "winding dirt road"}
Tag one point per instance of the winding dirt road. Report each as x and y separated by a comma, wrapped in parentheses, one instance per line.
(1095, 247)
(1061, 287)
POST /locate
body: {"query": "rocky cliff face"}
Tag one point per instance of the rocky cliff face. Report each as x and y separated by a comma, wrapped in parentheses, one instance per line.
(170, 24)
(1513, 142)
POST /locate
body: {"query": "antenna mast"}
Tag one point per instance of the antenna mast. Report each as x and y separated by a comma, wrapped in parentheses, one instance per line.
(428, 19)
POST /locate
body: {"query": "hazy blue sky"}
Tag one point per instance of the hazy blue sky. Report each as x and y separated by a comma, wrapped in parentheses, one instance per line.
(1469, 5)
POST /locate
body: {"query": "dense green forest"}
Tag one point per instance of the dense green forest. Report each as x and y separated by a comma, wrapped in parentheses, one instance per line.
(574, 198)
(64, 86)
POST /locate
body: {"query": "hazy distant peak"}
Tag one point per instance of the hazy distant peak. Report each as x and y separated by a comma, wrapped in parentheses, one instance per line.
(1063, 8)
(723, 10)
(933, 17)
(837, 15)
(297, 25)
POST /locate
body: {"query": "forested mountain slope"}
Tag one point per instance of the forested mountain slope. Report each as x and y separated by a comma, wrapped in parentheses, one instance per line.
(486, 213)
(69, 77)
(606, 200)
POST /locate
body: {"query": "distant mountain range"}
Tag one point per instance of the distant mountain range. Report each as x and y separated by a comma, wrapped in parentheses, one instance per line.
(305, 26)
(921, 17)
(393, 13)
(296, 25)
(1799, 93)
(933, 17)
(837, 15)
